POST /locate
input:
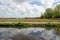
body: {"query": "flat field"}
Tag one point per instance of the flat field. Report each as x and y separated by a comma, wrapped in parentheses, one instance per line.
(29, 20)
(36, 22)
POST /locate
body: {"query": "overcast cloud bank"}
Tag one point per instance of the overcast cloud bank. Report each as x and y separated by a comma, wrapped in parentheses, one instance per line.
(24, 8)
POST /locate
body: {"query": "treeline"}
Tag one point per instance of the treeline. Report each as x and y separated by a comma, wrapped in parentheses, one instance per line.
(52, 13)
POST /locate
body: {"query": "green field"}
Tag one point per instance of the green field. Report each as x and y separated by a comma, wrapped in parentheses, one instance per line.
(26, 23)
(34, 21)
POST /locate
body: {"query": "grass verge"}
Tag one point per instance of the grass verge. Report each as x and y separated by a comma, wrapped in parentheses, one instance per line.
(48, 26)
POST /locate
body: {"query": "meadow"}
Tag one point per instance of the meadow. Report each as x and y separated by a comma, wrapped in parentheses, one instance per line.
(31, 22)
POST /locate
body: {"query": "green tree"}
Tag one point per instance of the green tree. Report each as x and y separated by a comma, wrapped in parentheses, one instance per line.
(52, 13)
(57, 11)
(48, 13)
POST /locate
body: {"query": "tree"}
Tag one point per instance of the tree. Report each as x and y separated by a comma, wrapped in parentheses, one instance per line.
(57, 11)
(52, 13)
(48, 13)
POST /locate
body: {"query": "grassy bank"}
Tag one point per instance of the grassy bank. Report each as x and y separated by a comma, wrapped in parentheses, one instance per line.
(48, 26)
(20, 24)
(32, 22)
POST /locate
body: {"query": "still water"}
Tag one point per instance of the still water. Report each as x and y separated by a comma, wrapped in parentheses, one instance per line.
(27, 34)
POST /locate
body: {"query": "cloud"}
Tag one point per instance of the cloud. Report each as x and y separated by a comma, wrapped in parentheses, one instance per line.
(20, 1)
(24, 8)
(28, 10)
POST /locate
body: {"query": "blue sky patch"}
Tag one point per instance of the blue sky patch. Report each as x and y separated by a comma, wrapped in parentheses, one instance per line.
(55, 3)
(36, 3)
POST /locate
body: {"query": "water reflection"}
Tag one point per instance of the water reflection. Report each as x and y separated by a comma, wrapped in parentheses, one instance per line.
(27, 34)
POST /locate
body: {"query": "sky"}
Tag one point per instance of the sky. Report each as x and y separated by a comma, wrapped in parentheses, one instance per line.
(25, 8)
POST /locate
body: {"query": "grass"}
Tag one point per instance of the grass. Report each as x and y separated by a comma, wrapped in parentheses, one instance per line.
(26, 23)
(29, 20)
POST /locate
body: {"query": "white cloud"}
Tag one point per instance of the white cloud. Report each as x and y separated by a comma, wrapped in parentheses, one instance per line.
(29, 10)
(23, 8)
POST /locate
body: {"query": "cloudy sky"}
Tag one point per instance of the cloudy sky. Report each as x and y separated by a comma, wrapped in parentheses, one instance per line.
(25, 8)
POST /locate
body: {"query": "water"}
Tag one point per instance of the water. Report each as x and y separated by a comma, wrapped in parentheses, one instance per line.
(27, 34)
